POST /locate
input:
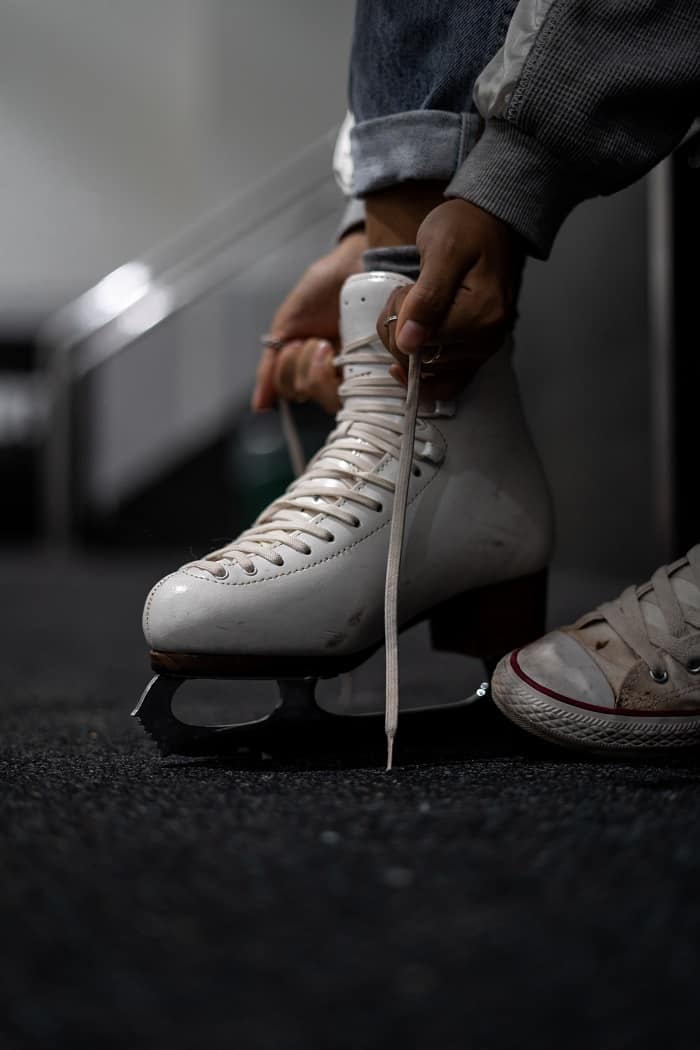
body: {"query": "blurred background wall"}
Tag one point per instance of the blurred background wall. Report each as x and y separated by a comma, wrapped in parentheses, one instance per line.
(121, 124)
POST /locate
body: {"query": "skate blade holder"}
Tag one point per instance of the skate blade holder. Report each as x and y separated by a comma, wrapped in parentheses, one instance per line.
(297, 722)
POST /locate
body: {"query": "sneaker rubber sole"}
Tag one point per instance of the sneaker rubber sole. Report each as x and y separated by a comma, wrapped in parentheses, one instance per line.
(571, 724)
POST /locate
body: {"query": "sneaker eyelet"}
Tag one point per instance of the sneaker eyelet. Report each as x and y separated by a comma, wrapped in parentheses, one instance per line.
(379, 508)
(251, 572)
(306, 550)
(693, 665)
(417, 472)
(330, 538)
(658, 674)
(356, 523)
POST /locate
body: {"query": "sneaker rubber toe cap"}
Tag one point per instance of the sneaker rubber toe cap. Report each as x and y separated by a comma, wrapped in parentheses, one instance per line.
(559, 667)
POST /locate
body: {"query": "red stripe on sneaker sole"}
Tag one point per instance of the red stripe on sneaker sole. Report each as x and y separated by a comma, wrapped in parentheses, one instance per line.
(629, 713)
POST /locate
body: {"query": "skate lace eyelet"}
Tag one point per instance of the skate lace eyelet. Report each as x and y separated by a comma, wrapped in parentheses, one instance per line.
(417, 472)
(330, 538)
(306, 550)
(693, 665)
(658, 674)
(251, 572)
(379, 508)
(356, 523)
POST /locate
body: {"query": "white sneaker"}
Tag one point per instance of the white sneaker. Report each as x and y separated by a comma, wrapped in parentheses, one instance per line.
(624, 678)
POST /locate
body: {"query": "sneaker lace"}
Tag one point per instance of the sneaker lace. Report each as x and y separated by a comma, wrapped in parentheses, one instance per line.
(378, 417)
(677, 635)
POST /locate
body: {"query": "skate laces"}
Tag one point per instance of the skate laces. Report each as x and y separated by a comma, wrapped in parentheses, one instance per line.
(659, 619)
(393, 561)
(378, 418)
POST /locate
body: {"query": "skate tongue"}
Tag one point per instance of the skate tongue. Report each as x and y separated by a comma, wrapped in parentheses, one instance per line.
(362, 302)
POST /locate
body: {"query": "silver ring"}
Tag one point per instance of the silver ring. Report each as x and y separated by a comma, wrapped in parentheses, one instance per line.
(435, 357)
(390, 319)
(271, 342)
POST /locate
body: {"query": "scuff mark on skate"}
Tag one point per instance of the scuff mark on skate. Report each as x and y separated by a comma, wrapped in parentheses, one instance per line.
(356, 617)
(334, 640)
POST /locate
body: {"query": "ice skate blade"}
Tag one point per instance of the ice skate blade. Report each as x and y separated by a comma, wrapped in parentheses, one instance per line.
(155, 714)
(297, 723)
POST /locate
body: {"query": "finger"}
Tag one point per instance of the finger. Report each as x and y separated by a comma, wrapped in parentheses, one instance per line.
(460, 344)
(264, 393)
(324, 379)
(303, 363)
(386, 330)
(315, 371)
(443, 269)
(478, 315)
(285, 370)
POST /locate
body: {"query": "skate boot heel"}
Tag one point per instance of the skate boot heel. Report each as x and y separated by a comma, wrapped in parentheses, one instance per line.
(490, 621)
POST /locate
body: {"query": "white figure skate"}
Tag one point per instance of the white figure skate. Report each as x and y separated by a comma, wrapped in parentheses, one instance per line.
(301, 594)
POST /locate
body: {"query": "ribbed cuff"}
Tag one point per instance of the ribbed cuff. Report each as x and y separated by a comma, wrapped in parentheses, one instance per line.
(353, 218)
(512, 176)
(403, 259)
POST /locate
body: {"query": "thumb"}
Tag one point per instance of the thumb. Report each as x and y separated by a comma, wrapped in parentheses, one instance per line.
(429, 300)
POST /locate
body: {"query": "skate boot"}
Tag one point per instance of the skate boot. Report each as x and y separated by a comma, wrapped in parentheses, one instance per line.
(301, 594)
(623, 679)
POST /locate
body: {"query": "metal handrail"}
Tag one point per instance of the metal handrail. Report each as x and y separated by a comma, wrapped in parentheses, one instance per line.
(142, 294)
(175, 274)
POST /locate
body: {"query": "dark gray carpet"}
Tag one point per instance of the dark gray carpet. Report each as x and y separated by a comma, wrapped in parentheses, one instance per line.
(490, 892)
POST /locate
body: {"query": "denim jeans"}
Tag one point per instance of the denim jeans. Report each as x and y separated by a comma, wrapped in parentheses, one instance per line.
(412, 72)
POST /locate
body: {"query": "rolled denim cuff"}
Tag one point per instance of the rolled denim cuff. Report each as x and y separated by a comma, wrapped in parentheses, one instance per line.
(514, 177)
(353, 217)
(422, 144)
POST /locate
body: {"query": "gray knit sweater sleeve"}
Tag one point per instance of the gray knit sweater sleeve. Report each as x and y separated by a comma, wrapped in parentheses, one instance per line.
(584, 98)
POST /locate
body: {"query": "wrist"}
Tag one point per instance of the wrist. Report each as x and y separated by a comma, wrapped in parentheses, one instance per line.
(352, 242)
(344, 257)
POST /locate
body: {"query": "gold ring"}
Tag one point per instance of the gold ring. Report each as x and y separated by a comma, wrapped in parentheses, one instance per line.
(435, 357)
